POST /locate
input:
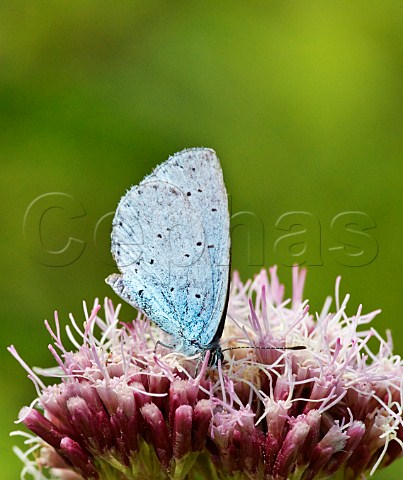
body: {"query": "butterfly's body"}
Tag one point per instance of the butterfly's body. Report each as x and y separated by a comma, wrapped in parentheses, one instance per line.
(170, 240)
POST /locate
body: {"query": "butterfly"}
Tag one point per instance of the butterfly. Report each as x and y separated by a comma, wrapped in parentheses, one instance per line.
(171, 242)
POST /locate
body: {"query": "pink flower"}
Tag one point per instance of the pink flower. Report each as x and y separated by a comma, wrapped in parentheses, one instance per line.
(122, 411)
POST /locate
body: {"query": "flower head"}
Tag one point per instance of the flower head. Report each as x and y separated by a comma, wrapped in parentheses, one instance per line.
(125, 410)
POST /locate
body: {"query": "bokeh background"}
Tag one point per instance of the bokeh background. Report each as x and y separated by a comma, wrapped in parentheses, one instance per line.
(303, 102)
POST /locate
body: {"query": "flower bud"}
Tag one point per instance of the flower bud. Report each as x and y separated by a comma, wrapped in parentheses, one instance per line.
(159, 433)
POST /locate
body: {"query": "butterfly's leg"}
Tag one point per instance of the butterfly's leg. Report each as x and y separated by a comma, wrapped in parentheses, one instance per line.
(199, 362)
(171, 347)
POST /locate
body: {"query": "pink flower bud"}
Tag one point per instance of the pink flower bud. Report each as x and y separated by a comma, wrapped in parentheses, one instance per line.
(182, 431)
(38, 424)
(355, 434)
(77, 456)
(159, 433)
(201, 422)
(334, 441)
(290, 450)
(94, 427)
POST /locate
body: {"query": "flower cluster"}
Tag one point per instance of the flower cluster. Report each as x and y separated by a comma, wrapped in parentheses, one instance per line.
(124, 409)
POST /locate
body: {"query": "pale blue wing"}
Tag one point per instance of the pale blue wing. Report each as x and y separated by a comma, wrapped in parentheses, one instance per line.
(170, 239)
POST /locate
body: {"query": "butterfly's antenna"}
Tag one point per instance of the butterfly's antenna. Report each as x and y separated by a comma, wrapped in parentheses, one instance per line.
(297, 347)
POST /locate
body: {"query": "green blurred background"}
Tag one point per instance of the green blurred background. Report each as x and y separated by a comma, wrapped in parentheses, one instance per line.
(302, 101)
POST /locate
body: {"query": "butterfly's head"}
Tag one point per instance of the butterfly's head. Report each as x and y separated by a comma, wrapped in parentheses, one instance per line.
(216, 355)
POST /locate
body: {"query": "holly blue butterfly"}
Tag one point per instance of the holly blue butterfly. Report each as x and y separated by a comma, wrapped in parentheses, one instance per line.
(171, 243)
